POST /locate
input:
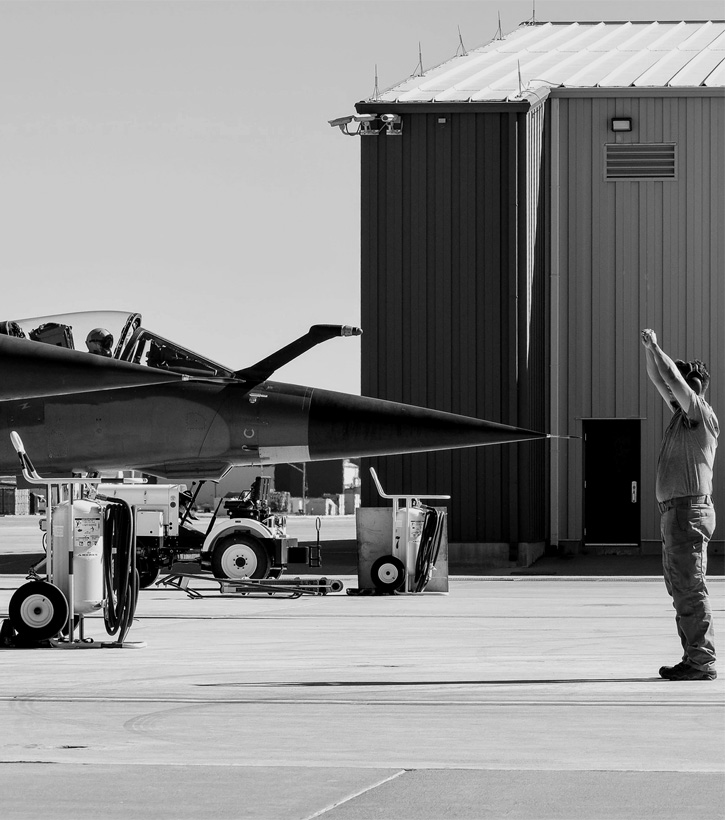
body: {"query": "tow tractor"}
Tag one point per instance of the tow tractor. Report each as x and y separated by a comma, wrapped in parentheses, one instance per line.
(250, 542)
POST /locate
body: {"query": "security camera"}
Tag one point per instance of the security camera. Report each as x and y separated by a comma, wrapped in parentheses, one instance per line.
(365, 117)
(340, 121)
(390, 117)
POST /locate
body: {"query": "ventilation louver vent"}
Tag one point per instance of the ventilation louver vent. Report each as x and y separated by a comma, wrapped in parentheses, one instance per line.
(650, 161)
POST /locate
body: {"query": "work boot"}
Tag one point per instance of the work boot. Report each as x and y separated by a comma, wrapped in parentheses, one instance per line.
(683, 671)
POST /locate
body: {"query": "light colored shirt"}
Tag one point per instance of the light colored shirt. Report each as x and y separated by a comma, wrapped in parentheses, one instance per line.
(687, 454)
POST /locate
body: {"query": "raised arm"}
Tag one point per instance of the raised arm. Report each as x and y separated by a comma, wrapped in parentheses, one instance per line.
(664, 374)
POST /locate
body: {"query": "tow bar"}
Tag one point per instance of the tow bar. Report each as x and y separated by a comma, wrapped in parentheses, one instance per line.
(284, 587)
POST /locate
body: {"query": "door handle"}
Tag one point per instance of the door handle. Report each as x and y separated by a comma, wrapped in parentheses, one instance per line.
(634, 492)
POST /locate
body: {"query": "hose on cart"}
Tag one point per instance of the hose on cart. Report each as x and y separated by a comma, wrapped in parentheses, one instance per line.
(430, 544)
(119, 567)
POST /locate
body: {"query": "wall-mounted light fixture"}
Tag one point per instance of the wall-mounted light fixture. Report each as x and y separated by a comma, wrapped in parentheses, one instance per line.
(621, 123)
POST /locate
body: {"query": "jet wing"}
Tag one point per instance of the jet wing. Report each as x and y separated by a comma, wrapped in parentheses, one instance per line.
(31, 370)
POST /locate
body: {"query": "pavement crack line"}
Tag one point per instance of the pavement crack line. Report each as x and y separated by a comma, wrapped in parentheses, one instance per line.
(356, 794)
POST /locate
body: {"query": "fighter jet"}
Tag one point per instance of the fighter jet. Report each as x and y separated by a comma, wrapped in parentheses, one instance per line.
(93, 392)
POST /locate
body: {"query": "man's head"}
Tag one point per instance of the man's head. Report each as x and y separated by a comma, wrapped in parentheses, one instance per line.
(696, 374)
(99, 341)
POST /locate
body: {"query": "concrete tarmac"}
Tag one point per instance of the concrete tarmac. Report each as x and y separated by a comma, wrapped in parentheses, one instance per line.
(511, 697)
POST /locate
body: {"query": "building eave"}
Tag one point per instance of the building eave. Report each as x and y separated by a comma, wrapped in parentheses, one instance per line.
(498, 107)
(640, 91)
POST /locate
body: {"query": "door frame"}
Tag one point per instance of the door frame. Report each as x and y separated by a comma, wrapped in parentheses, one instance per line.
(637, 489)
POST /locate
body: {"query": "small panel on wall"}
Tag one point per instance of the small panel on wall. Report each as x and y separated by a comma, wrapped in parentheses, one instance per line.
(632, 161)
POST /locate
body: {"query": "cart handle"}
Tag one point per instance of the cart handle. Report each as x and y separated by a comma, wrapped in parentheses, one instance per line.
(31, 474)
(383, 494)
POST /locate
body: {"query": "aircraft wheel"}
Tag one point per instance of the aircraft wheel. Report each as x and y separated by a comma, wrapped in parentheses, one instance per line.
(388, 573)
(38, 611)
(238, 557)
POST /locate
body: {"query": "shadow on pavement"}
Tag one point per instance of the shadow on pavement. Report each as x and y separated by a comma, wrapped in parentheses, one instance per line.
(355, 683)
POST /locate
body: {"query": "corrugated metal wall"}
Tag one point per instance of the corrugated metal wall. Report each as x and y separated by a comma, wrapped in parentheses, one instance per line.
(452, 307)
(634, 255)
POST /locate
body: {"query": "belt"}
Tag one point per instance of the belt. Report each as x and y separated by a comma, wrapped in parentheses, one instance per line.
(684, 501)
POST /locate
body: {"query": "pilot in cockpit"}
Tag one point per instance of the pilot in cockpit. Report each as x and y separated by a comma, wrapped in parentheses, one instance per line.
(11, 329)
(100, 342)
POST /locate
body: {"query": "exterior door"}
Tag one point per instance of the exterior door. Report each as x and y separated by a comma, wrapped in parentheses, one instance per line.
(612, 482)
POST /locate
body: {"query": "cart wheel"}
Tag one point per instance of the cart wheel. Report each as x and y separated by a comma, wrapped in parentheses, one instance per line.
(388, 573)
(239, 556)
(38, 610)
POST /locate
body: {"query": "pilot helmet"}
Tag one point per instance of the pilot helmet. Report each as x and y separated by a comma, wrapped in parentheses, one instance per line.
(100, 337)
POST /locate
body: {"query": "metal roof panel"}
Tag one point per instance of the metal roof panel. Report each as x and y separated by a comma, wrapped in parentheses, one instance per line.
(716, 78)
(663, 70)
(701, 65)
(630, 68)
(522, 37)
(700, 36)
(574, 55)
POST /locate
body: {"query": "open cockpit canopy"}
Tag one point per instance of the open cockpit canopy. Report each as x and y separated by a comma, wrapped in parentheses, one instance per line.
(131, 342)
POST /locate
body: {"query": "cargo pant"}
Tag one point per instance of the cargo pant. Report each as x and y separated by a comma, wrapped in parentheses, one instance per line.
(687, 525)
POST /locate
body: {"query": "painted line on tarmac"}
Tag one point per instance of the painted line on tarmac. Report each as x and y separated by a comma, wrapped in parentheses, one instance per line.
(355, 794)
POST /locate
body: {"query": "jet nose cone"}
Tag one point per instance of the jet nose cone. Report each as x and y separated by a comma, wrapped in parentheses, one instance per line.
(360, 426)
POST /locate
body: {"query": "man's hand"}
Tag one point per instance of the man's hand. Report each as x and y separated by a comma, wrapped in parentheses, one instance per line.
(664, 374)
(649, 339)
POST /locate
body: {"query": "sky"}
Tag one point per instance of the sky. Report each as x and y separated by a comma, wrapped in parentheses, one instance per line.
(175, 158)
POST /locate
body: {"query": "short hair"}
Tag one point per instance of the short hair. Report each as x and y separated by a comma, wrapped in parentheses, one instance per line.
(698, 367)
(703, 372)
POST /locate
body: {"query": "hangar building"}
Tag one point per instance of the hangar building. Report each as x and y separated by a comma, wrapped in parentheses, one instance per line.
(527, 208)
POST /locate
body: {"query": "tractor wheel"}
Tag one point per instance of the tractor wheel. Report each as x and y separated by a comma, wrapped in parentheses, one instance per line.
(239, 556)
(148, 572)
